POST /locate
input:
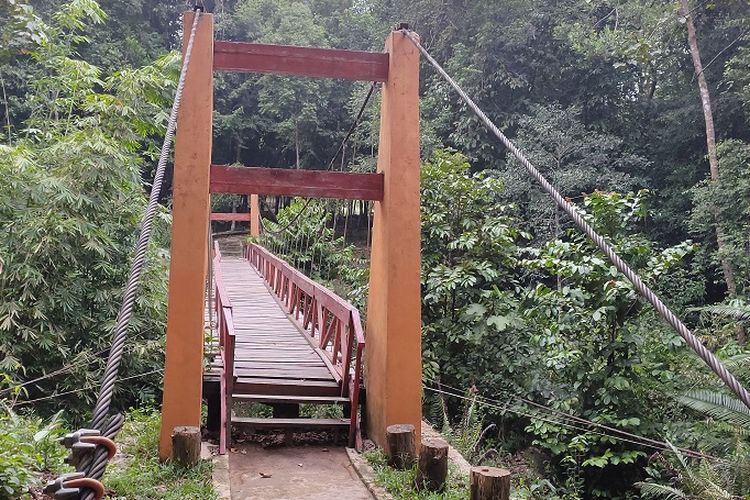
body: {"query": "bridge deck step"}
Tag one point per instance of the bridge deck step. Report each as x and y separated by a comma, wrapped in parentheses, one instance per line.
(291, 423)
(289, 399)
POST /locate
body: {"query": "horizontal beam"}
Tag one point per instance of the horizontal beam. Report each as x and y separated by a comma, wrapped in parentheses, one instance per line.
(219, 216)
(300, 61)
(292, 182)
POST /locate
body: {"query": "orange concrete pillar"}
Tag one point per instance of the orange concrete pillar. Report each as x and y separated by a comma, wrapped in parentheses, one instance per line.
(393, 361)
(254, 216)
(183, 371)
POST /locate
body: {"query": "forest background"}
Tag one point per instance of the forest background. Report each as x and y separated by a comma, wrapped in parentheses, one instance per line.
(603, 96)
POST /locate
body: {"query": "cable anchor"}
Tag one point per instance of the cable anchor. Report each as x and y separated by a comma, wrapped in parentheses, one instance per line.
(69, 487)
(84, 442)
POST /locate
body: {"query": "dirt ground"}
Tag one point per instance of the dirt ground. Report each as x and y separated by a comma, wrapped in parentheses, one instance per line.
(294, 472)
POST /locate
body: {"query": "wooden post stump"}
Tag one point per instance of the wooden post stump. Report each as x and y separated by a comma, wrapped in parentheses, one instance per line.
(490, 483)
(402, 445)
(432, 470)
(186, 445)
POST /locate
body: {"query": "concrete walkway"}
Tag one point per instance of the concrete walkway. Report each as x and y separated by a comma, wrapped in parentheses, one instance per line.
(292, 473)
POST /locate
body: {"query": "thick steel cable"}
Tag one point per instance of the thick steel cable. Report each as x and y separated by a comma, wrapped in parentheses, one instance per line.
(707, 356)
(103, 403)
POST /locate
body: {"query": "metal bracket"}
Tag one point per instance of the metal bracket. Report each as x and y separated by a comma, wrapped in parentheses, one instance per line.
(59, 491)
(84, 442)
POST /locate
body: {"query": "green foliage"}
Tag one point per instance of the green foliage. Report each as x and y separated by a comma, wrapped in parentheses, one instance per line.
(469, 261)
(718, 406)
(28, 448)
(70, 207)
(141, 475)
(728, 200)
(400, 483)
(311, 244)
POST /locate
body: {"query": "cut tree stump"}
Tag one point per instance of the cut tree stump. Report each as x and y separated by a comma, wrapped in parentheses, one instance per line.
(186, 445)
(432, 470)
(402, 445)
(490, 483)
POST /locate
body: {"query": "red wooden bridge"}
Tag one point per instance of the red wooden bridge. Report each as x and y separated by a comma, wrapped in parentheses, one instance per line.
(284, 340)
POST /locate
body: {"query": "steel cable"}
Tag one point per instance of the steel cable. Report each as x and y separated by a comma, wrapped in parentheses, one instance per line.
(707, 356)
(352, 128)
(578, 421)
(99, 420)
(635, 439)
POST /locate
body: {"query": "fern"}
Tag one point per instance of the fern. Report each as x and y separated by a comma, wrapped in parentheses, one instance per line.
(660, 491)
(738, 311)
(717, 405)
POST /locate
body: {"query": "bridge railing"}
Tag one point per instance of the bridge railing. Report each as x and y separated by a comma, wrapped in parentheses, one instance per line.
(225, 329)
(332, 324)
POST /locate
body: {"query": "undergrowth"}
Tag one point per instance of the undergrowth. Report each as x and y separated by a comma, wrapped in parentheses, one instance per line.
(28, 451)
(140, 474)
(400, 483)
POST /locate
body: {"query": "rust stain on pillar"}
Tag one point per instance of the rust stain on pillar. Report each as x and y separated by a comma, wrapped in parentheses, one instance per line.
(183, 372)
(393, 354)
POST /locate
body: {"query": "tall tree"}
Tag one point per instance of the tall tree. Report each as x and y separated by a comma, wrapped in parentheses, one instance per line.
(713, 159)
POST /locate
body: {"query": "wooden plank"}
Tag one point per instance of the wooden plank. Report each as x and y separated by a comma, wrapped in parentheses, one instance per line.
(300, 61)
(292, 182)
(219, 216)
(280, 398)
(291, 423)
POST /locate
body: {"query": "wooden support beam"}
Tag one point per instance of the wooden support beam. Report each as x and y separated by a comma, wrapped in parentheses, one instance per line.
(183, 370)
(393, 369)
(300, 61)
(292, 182)
(254, 214)
(226, 216)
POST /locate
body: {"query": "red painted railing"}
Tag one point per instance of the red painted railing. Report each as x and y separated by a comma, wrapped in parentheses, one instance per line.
(331, 322)
(225, 329)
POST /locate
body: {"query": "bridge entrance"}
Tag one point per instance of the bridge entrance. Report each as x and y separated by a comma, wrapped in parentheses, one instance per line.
(282, 337)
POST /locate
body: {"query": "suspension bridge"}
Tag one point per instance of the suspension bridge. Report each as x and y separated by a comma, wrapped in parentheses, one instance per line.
(278, 337)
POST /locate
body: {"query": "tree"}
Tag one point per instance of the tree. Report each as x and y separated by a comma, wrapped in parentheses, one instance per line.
(713, 159)
(576, 159)
(71, 201)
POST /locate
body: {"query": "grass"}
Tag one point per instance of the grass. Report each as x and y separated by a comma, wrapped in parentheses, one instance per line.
(140, 474)
(400, 483)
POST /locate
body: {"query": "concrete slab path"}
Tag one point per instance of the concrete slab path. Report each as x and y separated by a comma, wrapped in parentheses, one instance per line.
(292, 473)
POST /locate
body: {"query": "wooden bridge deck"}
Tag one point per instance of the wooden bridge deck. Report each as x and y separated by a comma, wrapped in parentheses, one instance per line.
(270, 351)
(286, 341)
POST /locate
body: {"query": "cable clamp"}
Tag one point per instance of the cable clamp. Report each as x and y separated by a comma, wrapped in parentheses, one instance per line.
(69, 486)
(83, 442)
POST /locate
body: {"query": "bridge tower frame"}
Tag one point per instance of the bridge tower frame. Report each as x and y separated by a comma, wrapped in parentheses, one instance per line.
(393, 333)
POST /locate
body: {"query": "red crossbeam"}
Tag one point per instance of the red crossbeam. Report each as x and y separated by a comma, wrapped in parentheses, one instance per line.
(300, 61)
(219, 216)
(291, 182)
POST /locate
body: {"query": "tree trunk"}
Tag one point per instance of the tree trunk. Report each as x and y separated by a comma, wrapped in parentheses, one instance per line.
(490, 483)
(433, 465)
(713, 159)
(296, 143)
(186, 445)
(402, 445)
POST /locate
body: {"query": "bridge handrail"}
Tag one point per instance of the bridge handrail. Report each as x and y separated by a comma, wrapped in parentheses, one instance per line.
(225, 329)
(336, 322)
